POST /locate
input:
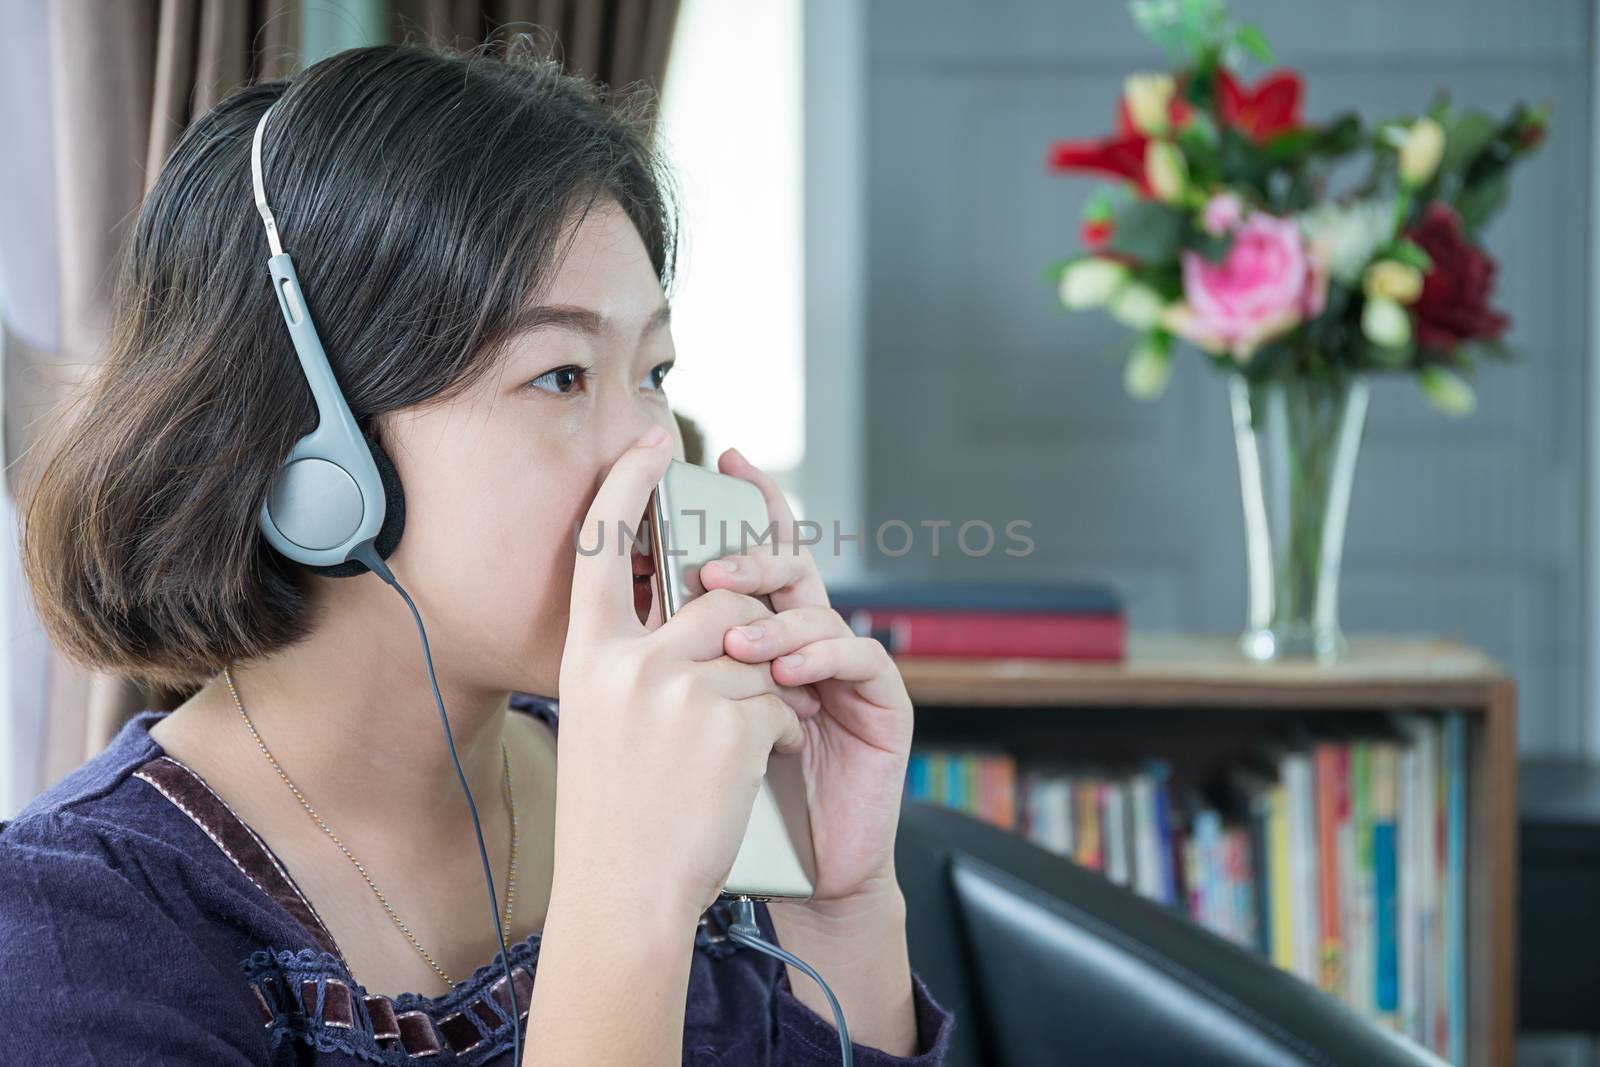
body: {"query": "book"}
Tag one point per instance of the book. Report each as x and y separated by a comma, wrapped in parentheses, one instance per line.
(1330, 765)
(1165, 830)
(1280, 889)
(977, 635)
(1416, 877)
(1357, 889)
(1038, 596)
(1114, 833)
(1086, 815)
(1383, 811)
(1305, 877)
(1336, 850)
(1455, 969)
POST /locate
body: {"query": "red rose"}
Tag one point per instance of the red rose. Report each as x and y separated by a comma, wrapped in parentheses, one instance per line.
(1454, 305)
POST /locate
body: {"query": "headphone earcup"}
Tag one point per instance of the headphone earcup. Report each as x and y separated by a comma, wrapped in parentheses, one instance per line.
(394, 518)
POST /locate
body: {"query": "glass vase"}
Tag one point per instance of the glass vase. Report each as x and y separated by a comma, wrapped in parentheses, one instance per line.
(1297, 440)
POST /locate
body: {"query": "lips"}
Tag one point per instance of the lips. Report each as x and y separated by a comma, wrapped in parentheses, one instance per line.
(643, 566)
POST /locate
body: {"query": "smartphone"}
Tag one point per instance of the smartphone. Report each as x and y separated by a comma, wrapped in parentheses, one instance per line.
(695, 516)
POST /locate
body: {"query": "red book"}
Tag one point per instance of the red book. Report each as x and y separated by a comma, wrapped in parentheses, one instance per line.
(993, 635)
(1329, 763)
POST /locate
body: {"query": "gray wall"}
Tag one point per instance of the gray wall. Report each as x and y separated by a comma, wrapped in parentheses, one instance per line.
(987, 400)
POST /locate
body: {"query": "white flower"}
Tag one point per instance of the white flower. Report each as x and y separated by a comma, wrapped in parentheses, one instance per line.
(1147, 370)
(1393, 280)
(1137, 306)
(1349, 233)
(1166, 170)
(1385, 322)
(1148, 97)
(1421, 151)
(1447, 391)
(1091, 282)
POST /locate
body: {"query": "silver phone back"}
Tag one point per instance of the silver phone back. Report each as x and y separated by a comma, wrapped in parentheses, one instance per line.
(698, 515)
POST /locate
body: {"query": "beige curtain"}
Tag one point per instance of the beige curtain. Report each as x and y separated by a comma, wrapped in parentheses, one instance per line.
(122, 81)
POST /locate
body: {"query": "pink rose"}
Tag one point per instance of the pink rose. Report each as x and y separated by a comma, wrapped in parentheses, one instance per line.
(1271, 281)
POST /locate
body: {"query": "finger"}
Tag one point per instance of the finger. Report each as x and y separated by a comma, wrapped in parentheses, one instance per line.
(806, 587)
(696, 630)
(734, 680)
(765, 568)
(861, 660)
(602, 574)
(785, 632)
(732, 462)
(775, 721)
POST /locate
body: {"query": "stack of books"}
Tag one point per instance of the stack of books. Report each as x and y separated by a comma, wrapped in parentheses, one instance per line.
(980, 782)
(987, 620)
(1339, 858)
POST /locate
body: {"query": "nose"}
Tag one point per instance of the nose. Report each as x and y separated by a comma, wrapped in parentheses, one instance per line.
(626, 433)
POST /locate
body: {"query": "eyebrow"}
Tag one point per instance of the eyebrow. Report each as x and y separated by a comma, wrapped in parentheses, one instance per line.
(578, 319)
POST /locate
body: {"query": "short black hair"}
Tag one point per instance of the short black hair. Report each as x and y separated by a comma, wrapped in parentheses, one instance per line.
(426, 195)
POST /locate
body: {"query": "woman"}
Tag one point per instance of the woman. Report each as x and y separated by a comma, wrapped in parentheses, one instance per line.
(280, 870)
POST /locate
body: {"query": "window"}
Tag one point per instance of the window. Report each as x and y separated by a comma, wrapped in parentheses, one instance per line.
(731, 128)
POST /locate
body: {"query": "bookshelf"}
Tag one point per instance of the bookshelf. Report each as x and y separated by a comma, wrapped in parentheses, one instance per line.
(1199, 694)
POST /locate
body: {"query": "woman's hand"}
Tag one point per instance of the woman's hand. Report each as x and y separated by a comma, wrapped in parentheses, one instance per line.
(852, 929)
(664, 742)
(664, 738)
(857, 746)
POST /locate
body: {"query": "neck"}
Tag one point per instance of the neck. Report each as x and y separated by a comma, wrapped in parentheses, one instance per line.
(350, 717)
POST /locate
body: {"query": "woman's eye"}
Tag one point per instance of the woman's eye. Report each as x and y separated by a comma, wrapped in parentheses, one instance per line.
(658, 374)
(561, 379)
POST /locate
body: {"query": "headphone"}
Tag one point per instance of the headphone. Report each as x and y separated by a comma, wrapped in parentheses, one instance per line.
(337, 508)
(337, 490)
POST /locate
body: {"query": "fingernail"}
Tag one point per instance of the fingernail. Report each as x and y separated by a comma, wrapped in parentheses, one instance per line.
(752, 632)
(725, 564)
(793, 659)
(654, 436)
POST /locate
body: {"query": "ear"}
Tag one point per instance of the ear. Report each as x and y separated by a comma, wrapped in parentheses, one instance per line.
(394, 517)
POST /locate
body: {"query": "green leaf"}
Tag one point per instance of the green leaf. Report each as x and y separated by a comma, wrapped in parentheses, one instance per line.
(1198, 90)
(1200, 156)
(1407, 251)
(1477, 202)
(1466, 136)
(1213, 247)
(1343, 134)
(1290, 143)
(1243, 162)
(1148, 231)
(1100, 206)
(1166, 278)
(1250, 39)
(1387, 358)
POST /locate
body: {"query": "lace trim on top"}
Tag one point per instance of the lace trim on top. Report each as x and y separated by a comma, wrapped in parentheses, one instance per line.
(309, 994)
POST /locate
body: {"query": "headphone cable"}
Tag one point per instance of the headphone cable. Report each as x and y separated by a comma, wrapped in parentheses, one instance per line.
(368, 555)
(746, 931)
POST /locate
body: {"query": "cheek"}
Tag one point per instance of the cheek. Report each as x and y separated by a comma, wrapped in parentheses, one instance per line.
(524, 549)
(491, 537)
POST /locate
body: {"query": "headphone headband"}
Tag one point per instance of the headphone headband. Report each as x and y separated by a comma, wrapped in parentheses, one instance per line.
(327, 500)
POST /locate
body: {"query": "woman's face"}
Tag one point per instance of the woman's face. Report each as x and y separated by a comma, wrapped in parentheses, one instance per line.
(497, 480)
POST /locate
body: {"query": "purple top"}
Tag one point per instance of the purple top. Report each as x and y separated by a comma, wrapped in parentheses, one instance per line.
(141, 921)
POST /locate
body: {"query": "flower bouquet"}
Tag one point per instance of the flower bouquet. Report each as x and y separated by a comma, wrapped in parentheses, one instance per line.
(1221, 230)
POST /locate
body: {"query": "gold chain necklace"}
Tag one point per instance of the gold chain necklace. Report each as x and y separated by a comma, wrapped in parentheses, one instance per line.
(511, 806)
